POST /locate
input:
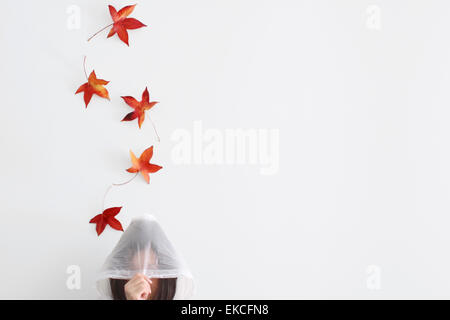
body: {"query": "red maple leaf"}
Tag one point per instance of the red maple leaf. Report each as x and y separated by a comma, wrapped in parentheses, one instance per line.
(121, 23)
(139, 107)
(93, 86)
(107, 217)
(143, 164)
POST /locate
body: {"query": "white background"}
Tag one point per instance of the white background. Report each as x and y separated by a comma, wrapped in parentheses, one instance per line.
(364, 175)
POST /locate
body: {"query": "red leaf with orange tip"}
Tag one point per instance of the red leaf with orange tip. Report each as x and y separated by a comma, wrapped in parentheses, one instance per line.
(143, 164)
(122, 23)
(93, 86)
(139, 107)
(107, 217)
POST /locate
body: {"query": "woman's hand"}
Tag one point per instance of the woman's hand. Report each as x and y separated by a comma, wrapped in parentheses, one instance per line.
(138, 288)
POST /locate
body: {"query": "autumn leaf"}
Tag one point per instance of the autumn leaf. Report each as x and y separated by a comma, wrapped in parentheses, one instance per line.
(107, 217)
(139, 107)
(93, 86)
(121, 23)
(143, 164)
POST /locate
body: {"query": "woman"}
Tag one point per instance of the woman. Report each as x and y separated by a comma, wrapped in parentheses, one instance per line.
(145, 266)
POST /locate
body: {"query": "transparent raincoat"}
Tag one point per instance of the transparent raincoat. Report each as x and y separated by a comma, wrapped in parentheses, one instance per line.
(144, 248)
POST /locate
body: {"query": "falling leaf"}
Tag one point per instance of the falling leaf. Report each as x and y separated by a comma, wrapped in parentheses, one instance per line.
(107, 217)
(139, 107)
(122, 23)
(93, 86)
(143, 164)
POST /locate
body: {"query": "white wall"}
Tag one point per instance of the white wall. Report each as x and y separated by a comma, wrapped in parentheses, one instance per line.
(362, 107)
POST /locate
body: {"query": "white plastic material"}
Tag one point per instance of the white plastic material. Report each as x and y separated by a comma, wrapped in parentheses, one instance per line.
(144, 248)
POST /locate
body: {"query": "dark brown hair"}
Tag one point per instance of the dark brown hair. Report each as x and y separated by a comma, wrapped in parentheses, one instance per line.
(165, 290)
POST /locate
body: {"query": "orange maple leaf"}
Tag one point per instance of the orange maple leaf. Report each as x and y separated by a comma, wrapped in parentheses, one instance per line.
(143, 164)
(93, 86)
(139, 107)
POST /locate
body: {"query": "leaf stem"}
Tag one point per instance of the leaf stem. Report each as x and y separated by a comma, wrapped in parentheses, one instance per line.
(115, 185)
(84, 68)
(123, 183)
(154, 128)
(109, 25)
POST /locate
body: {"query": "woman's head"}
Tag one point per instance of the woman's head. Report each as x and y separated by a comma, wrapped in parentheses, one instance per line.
(162, 289)
(145, 249)
(145, 258)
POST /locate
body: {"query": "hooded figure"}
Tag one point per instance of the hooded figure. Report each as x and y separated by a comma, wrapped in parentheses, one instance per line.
(144, 251)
